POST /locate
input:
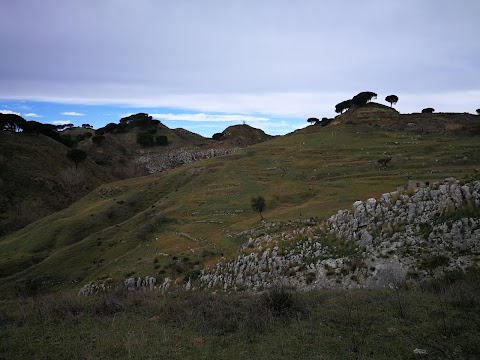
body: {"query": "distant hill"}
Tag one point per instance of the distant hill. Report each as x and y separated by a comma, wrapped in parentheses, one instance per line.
(243, 135)
(379, 115)
(37, 179)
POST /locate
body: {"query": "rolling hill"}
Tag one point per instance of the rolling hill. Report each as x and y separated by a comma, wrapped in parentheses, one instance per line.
(173, 223)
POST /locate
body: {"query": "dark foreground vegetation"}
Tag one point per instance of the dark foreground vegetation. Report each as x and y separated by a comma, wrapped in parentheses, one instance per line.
(439, 320)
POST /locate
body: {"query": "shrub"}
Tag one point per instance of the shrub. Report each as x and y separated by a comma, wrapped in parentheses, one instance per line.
(145, 139)
(161, 140)
(384, 161)
(428, 110)
(98, 139)
(435, 261)
(109, 305)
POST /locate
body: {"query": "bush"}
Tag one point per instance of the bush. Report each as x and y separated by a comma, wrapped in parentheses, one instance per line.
(281, 301)
(161, 140)
(98, 139)
(145, 139)
(384, 161)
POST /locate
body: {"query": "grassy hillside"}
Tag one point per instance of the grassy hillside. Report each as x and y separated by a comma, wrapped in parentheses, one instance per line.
(36, 178)
(171, 223)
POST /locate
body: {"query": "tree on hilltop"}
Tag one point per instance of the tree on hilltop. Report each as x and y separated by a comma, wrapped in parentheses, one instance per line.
(258, 204)
(428, 110)
(342, 106)
(77, 156)
(363, 98)
(11, 122)
(313, 121)
(392, 99)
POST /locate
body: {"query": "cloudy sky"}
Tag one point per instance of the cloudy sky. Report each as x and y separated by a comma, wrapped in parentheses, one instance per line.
(205, 65)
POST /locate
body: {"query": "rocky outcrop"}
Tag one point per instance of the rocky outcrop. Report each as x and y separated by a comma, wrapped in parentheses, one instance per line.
(410, 236)
(172, 159)
(130, 284)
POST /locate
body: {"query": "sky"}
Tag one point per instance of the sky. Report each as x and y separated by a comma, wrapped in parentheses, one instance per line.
(206, 65)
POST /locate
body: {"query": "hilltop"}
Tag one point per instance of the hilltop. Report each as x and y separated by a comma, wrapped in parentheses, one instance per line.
(374, 114)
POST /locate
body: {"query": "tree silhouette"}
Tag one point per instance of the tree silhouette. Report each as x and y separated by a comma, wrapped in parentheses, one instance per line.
(363, 98)
(478, 111)
(77, 156)
(428, 110)
(392, 99)
(258, 204)
(217, 136)
(313, 121)
(344, 105)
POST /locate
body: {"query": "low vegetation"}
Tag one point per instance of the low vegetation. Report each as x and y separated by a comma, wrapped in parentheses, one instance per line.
(438, 320)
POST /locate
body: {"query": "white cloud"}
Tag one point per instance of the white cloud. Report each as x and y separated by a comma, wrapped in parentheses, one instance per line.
(61, 122)
(72, 113)
(33, 115)
(209, 117)
(6, 112)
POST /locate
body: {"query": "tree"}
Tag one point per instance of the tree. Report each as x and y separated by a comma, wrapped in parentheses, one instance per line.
(363, 98)
(325, 121)
(392, 99)
(110, 128)
(77, 156)
(98, 139)
(478, 111)
(145, 139)
(217, 136)
(161, 140)
(313, 121)
(11, 122)
(384, 161)
(258, 204)
(344, 105)
(87, 126)
(428, 110)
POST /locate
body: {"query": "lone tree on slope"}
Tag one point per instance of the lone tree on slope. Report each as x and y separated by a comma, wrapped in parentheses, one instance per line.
(392, 99)
(258, 204)
(313, 121)
(77, 156)
(428, 110)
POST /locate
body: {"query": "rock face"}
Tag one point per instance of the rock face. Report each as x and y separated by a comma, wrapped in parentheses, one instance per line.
(172, 159)
(130, 284)
(401, 236)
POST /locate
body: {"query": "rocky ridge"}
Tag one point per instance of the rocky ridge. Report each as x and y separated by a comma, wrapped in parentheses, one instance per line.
(405, 235)
(172, 159)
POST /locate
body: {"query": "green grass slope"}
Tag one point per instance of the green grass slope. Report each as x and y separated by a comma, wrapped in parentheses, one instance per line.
(174, 222)
(36, 178)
